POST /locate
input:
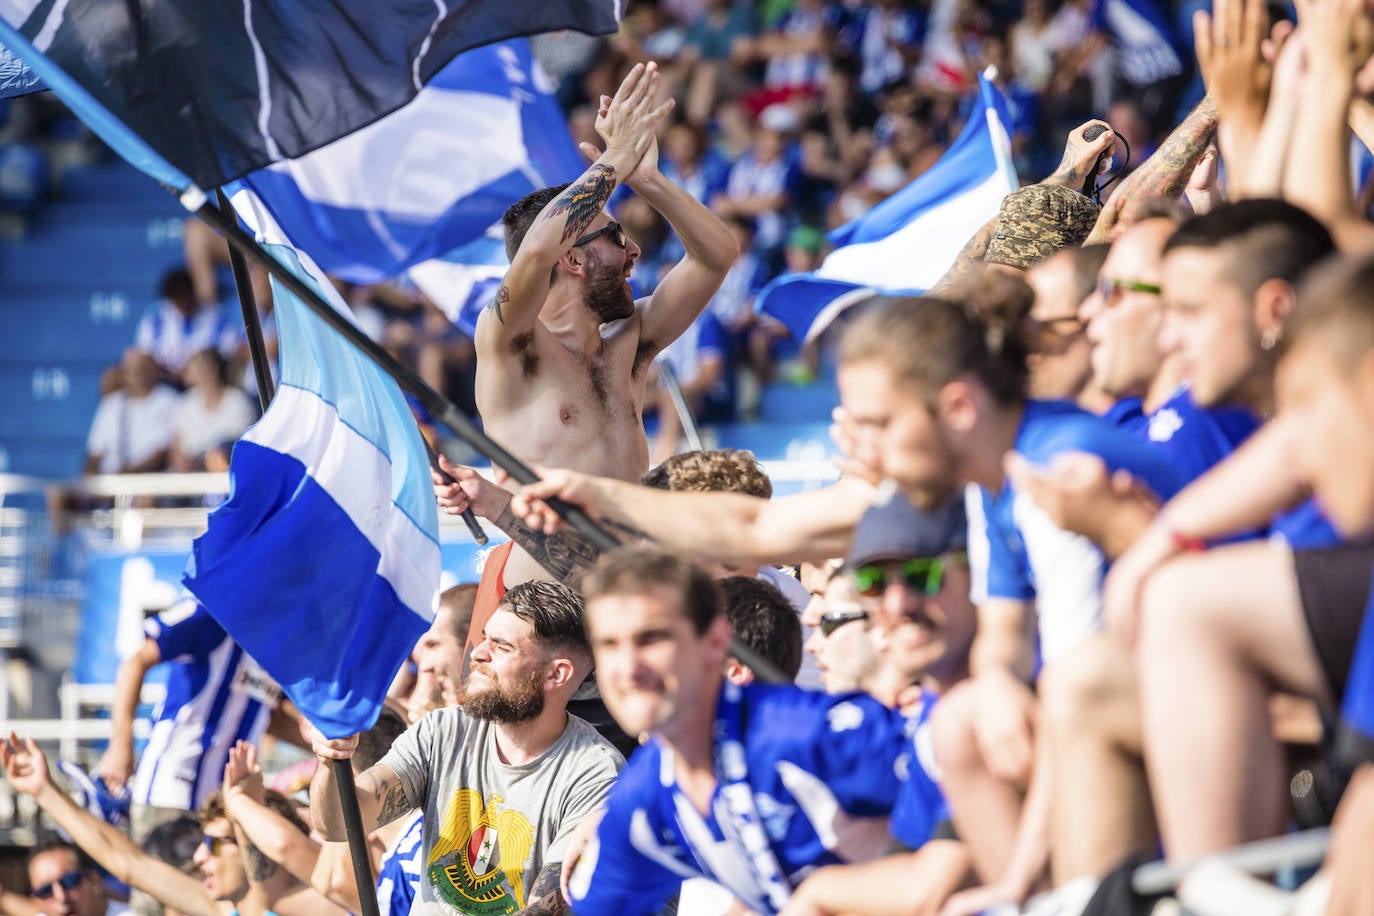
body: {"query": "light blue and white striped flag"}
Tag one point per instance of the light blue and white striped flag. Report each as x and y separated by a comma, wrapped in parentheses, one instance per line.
(324, 562)
(907, 242)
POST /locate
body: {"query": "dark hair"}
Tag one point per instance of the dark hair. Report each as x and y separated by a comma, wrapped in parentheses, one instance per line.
(553, 610)
(376, 741)
(928, 342)
(722, 470)
(458, 601)
(1335, 301)
(521, 215)
(213, 809)
(83, 861)
(1264, 240)
(762, 619)
(642, 570)
(217, 360)
(176, 284)
(174, 842)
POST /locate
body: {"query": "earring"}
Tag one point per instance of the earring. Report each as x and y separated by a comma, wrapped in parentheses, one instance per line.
(1269, 339)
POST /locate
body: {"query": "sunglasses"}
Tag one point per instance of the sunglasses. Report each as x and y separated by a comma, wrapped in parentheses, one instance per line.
(70, 882)
(923, 575)
(1108, 289)
(832, 621)
(214, 844)
(613, 230)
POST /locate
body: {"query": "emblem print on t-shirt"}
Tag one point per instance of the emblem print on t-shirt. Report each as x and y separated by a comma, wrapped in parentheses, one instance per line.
(478, 864)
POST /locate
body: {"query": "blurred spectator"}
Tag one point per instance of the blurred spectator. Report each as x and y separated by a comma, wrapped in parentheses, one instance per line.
(178, 326)
(762, 619)
(132, 429)
(889, 38)
(762, 180)
(211, 414)
(64, 883)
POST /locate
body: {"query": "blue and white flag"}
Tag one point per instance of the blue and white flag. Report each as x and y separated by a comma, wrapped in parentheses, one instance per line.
(1144, 43)
(907, 242)
(221, 89)
(324, 562)
(430, 177)
(465, 281)
(15, 76)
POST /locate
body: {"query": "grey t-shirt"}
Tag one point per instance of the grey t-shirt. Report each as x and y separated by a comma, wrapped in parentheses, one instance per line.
(490, 827)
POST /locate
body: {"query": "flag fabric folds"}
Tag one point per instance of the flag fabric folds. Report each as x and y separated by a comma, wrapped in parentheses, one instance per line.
(1142, 38)
(223, 89)
(324, 562)
(430, 177)
(465, 281)
(907, 242)
(15, 76)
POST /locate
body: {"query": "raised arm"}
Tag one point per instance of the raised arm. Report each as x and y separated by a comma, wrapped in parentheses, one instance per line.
(1165, 174)
(117, 764)
(628, 127)
(267, 833)
(381, 797)
(27, 769)
(730, 527)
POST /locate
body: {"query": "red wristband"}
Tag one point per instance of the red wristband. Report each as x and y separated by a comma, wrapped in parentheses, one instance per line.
(1184, 543)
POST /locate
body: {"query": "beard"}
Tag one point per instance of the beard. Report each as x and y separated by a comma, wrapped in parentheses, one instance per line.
(606, 293)
(522, 701)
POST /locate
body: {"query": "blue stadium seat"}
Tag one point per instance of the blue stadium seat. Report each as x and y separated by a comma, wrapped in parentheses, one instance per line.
(786, 403)
(779, 441)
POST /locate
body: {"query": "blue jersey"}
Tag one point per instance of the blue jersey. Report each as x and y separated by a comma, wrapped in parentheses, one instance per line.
(920, 804)
(1128, 414)
(1305, 527)
(1356, 742)
(216, 696)
(809, 762)
(1195, 439)
(1029, 557)
(398, 877)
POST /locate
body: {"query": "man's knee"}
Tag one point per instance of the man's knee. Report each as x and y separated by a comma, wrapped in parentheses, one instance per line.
(952, 731)
(1093, 689)
(1173, 610)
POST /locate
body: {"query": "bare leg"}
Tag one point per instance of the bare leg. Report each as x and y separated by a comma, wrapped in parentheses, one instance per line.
(1220, 632)
(986, 810)
(1352, 839)
(1090, 705)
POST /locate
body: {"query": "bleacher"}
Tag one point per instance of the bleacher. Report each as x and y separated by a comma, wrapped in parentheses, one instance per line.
(73, 290)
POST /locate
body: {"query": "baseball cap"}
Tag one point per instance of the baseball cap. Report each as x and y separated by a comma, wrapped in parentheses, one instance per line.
(1036, 221)
(894, 529)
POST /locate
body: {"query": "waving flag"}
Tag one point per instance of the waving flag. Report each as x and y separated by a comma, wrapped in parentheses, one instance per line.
(907, 242)
(221, 89)
(465, 281)
(430, 177)
(15, 76)
(324, 562)
(1145, 49)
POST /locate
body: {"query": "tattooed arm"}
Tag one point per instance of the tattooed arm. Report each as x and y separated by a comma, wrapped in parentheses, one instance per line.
(381, 797)
(545, 898)
(548, 245)
(969, 262)
(1165, 174)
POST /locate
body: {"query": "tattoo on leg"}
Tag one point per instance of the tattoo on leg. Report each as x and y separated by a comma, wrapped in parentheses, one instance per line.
(583, 200)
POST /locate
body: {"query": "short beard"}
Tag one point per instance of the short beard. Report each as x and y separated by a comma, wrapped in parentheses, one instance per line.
(605, 293)
(521, 702)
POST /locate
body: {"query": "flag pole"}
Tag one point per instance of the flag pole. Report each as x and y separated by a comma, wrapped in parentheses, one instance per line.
(684, 410)
(440, 407)
(343, 769)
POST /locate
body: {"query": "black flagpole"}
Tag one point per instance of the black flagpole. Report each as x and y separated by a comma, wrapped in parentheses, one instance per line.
(343, 769)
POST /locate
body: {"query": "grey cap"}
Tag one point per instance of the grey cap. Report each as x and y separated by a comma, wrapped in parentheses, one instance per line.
(894, 529)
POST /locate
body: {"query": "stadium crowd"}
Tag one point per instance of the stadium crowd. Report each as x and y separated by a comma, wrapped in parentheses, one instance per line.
(1092, 588)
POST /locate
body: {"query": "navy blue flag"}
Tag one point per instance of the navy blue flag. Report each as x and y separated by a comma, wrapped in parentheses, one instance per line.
(223, 89)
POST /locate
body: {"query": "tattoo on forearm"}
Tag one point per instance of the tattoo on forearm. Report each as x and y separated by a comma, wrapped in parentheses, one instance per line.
(566, 555)
(969, 260)
(583, 200)
(545, 899)
(1166, 173)
(502, 297)
(258, 866)
(394, 803)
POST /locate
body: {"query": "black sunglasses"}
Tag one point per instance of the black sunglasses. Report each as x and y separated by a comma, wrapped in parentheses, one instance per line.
(70, 882)
(833, 620)
(923, 575)
(213, 844)
(612, 229)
